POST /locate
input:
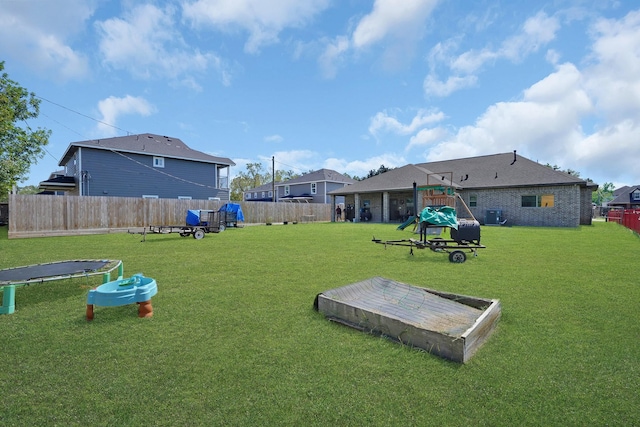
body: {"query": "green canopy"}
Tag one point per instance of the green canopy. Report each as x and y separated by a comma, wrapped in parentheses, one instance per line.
(444, 216)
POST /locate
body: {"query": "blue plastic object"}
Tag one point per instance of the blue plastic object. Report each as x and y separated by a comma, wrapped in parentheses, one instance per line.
(235, 208)
(193, 217)
(135, 289)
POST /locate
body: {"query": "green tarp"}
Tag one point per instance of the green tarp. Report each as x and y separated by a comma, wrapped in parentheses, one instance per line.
(444, 216)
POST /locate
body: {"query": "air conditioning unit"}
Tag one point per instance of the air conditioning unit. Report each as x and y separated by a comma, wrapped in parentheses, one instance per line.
(493, 217)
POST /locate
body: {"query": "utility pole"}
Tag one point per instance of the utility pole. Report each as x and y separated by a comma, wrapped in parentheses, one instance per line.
(273, 177)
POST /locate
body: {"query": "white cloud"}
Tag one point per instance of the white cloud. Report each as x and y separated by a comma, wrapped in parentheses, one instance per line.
(299, 161)
(273, 138)
(34, 37)
(395, 25)
(146, 43)
(361, 168)
(435, 87)
(113, 107)
(263, 20)
(383, 122)
(546, 121)
(403, 20)
(333, 56)
(536, 32)
(583, 119)
(427, 137)
(614, 78)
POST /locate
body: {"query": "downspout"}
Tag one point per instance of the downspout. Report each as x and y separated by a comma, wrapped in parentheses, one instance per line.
(78, 173)
(415, 199)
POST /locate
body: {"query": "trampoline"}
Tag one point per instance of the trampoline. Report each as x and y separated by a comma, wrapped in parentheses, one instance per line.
(51, 271)
(59, 270)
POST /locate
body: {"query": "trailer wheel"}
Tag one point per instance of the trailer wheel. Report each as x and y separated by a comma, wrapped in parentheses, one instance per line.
(458, 257)
(184, 233)
(222, 228)
(198, 234)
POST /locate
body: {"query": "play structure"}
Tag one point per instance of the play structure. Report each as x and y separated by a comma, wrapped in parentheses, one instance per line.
(440, 214)
(12, 278)
(136, 289)
(448, 325)
(199, 222)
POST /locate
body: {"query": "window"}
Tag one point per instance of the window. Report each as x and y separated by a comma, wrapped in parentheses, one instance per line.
(635, 196)
(547, 201)
(158, 162)
(286, 190)
(149, 196)
(314, 188)
(255, 195)
(270, 193)
(184, 197)
(540, 201)
(473, 200)
(263, 194)
(248, 196)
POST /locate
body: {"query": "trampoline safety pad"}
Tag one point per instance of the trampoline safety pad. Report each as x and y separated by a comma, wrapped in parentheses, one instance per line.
(448, 325)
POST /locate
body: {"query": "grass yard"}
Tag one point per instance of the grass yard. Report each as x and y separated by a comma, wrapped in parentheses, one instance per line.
(235, 341)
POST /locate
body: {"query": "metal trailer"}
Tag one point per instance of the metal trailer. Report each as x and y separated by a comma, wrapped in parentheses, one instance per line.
(198, 223)
(464, 240)
(231, 214)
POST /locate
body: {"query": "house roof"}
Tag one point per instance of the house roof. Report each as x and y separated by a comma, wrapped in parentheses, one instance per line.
(492, 171)
(58, 183)
(264, 187)
(147, 144)
(622, 195)
(399, 179)
(324, 175)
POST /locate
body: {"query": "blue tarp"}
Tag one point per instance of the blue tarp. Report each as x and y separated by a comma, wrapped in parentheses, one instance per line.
(444, 216)
(233, 207)
(193, 217)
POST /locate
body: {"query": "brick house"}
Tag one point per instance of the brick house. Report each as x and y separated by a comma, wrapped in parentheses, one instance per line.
(496, 188)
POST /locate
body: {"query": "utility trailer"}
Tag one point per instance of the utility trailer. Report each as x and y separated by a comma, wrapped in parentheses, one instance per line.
(197, 223)
(465, 239)
(440, 213)
(231, 215)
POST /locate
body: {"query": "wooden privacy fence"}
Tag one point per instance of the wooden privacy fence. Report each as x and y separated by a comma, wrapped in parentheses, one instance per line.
(630, 218)
(44, 215)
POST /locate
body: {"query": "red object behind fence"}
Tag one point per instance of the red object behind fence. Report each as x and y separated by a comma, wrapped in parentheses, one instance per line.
(630, 218)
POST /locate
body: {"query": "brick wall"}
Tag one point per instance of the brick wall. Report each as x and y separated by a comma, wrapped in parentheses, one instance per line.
(566, 211)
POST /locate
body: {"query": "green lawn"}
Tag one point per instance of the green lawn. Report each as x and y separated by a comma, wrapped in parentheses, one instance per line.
(234, 339)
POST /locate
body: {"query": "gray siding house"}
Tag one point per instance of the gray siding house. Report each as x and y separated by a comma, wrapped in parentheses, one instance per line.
(500, 188)
(144, 165)
(312, 187)
(263, 193)
(626, 198)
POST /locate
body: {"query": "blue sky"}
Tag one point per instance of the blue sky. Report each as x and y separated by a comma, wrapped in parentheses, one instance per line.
(341, 84)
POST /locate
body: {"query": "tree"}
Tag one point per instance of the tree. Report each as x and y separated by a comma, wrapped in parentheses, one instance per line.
(20, 146)
(382, 169)
(28, 189)
(604, 194)
(254, 177)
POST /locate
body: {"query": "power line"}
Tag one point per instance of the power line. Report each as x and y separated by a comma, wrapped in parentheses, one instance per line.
(84, 115)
